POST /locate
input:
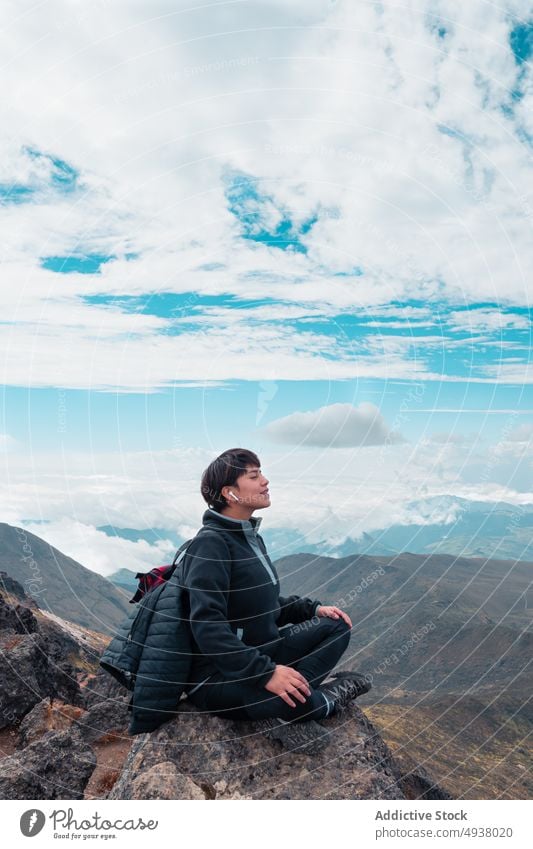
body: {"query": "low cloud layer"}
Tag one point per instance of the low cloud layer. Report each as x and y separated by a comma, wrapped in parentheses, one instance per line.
(324, 494)
(98, 551)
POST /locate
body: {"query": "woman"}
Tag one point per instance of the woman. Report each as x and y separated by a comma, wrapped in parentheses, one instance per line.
(249, 662)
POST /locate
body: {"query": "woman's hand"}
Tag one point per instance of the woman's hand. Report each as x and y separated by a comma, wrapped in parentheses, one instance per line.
(333, 613)
(287, 682)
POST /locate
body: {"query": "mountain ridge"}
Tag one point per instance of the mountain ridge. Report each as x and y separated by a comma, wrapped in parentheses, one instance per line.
(59, 583)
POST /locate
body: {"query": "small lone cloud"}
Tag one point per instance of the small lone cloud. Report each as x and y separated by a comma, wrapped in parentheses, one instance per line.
(334, 426)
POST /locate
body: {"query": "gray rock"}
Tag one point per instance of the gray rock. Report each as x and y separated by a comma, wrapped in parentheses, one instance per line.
(17, 618)
(37, 658)
(15, 590)
(31, 670)
(61, 674)
(102, 687)
(108, 717)
(234, 760)
(24, 679)
(47, 715)
(58, 766)
(163, 781)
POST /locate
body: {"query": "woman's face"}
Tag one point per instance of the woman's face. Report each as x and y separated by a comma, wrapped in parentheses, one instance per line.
(252, 488)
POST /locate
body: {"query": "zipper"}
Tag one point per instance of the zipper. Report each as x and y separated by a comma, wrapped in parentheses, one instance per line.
(257, 551)
(197, 687)
(253, 544)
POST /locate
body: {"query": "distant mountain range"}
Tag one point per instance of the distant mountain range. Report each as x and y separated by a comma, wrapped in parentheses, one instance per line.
(426, 623)
(441, 525)
(450, 525)
(125, 582)
(449, 644)
(60, 584)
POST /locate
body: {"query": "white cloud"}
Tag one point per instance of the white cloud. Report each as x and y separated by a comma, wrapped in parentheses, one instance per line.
(333, 426)
(485, 320)
(393, 139)
(514, 370)
(155, 107)
(122, 354)
(99, 552)
(324, 494)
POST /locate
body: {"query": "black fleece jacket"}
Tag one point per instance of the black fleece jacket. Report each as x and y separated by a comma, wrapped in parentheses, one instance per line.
(234, 603)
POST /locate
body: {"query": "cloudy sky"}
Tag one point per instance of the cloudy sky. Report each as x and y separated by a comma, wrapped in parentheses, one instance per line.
(305, 228)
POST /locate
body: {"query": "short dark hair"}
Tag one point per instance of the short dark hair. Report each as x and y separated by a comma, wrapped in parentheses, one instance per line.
(224, 471)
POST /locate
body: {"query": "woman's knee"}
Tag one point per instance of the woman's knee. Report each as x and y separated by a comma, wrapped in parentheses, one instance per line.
(341, 632)
(338, 625)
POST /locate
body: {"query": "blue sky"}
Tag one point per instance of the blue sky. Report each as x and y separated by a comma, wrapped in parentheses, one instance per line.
(314, 240)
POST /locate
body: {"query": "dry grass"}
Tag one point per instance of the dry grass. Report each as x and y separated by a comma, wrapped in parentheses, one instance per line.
(465, 755)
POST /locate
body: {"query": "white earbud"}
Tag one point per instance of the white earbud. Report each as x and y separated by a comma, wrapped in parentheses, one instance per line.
(234, 497)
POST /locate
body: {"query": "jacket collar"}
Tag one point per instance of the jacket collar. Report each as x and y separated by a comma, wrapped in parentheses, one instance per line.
(212, 517)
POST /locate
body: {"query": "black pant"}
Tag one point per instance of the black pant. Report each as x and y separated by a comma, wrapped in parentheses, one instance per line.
(312, 647)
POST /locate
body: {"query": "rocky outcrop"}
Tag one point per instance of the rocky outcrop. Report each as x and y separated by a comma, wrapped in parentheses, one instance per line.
(102, 687)
(28, 674)
(105, 719)
(58, 766)
(16, 617)
(57, 705)
(38, 659)
(164, 781)
(197, 754)
(73, 741)
(15, 591)
(45, 656)
(47, 715)
(110, 717)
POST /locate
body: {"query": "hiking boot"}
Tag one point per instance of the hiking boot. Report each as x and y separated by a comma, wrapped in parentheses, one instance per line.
(344, 688)
(302, 738)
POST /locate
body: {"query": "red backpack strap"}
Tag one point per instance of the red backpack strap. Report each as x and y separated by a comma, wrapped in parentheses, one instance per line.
(148, 581)
(159, 574)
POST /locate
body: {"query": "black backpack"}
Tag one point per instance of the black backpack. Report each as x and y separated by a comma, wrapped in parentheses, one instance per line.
(151, 652)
